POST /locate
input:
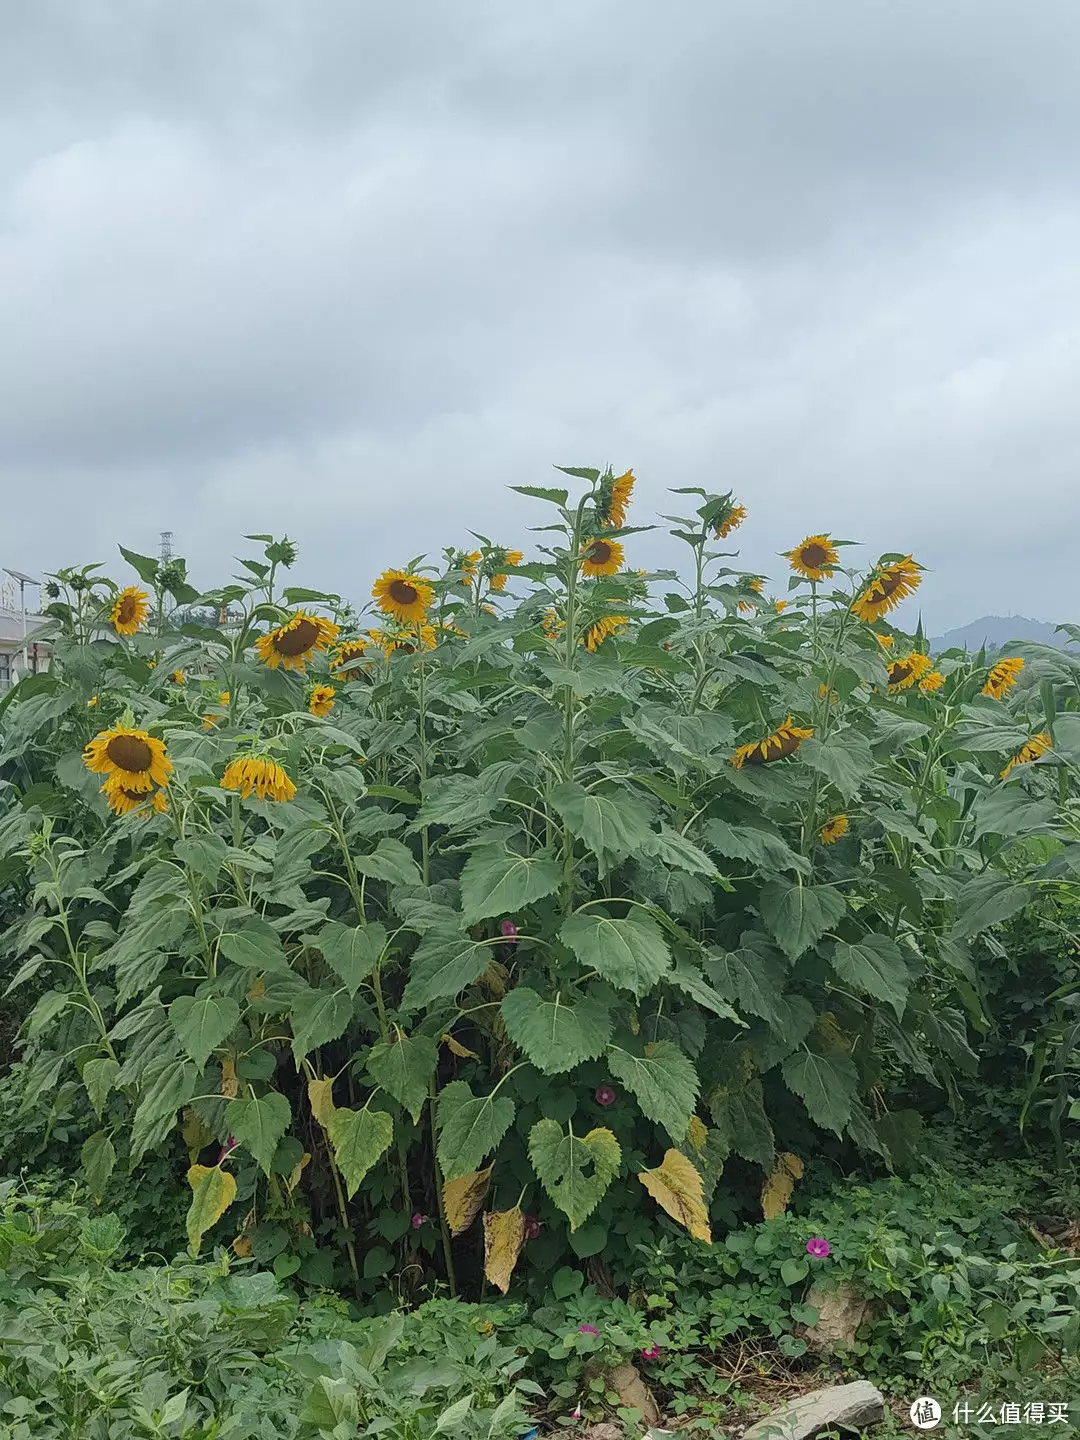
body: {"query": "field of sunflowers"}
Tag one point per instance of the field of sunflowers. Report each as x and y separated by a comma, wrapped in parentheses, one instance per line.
(543, 906)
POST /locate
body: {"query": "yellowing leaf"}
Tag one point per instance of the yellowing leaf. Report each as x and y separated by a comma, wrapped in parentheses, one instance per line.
(676, 1185)
(242, 1247)
(258, 989)
(229, 1082)
(195, 1134)
(463, 1197)
(504, 1235)
(320, 1098)
(456, 1048)
(297, 1170)
(776, 1192)
(212, 1192)
(494, 979)
(697, 1133)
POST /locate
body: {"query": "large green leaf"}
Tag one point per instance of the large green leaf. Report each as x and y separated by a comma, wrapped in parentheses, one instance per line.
(470, 1127)
(166, 1085)
(98, 1157)
(562, 1162)
(257, 947)
(630, 952)
(499, 882)
(759, 845)
(259, 1124)
(403, 1066)
(1007, 811)
(672, 848)
(662, 1080)
(445, 961)
(875, 966)
(205, 854)
(556, 1034)
(391, 861)
(826, 1082)
(317, 1017)
(99, 1077)
(351, 951)
(798, 915)
(987, 900)
(464, 799)
(737, 1107)
(844, 759)
(359, 1137)
(691, 982)
(753, 976)
(611, 825)
(202, 1022)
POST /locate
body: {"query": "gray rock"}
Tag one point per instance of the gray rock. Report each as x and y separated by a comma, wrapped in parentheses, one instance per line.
(845, 1407)
(840, 1313)
(632, 1391)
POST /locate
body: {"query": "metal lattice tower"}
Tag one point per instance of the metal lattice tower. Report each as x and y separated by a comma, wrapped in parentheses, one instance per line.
(166, 546)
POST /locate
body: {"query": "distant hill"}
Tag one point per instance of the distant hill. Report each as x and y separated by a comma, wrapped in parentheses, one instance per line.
(997, 630)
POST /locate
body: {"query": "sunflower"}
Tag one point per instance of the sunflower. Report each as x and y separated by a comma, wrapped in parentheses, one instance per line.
(887, 587)
(420, 637)
(602, 557)
(815, 558)
(903, 673)
(931, 682)
(885, 641)
(621, 489)
(322, 700)
(293, 644)
(92, 702)
(130, 610)
(833, 830)
(122, 801)
(406, 597)
(729, 521)
(784, 740)
(1002, 677)
(129, 759)
(353, 659)
(178, 677)
(757, 585)
(469, 563)
(255, 773)
(513, 557)
(609, 625)
(1036, 746)
(552, 625)
(781, 606)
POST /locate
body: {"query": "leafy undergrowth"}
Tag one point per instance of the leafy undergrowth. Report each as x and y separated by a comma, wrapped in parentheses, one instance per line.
(965, 1302)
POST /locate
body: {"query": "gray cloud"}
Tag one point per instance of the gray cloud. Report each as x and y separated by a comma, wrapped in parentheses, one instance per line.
(350, 271)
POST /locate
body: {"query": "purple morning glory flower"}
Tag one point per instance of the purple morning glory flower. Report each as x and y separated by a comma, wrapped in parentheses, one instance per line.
(818, 1247)
(604, 1095)
(651, 1352)
(418, 1220)
(588, 1330)
(509, 932)
(532, 1227)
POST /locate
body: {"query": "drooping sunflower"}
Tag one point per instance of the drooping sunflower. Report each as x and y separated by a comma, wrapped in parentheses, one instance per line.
(757, 585)
(354, 659)
(254, 773)
(322, 700)
(470, 564)
(784, 740)
(1038, 745)
(932, 682)
(602, 557)
(129, 759)
(122, 801)
(887, 587)
(904, 672)
(833, 830)
(622, 487)
(293, 644)
(552, 626)
(609, 625)
(729, 520)
(1002, 677)
(130, 610)
(405, 641)
(513, 557)
(405, 597)
(815, 559)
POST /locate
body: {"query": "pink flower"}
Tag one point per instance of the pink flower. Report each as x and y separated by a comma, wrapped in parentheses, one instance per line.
(818, 1247)
(575, 1414)
(509, 932)
(588, 1330)
(532, 1227)
(418, 1220)
(604, 1095)
(651, 1352)
(226, 1149)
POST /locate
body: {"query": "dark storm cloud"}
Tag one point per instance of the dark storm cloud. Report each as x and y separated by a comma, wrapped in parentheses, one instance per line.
(350, 270)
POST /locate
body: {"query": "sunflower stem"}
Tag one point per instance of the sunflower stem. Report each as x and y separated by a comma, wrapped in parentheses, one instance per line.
(448, 1251)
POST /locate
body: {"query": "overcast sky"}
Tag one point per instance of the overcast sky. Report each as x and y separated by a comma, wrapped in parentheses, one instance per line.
(348, 270)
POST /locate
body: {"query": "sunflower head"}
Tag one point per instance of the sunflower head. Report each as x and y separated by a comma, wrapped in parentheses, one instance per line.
(255, 774)
(122, 801)
(178, 677)
(467, 562)
(1002, 677)
(931, 682)
(887, 586)
(130, 610)
(815, 558)
(885, 641)
(602, 557)
(406, 597)
(552, 626)
(292, 644)
(405, 640)
(1035, 747)
(905, 671)
(598, 633)
(833, 830)
(728, 517)
(780, 605)
(321, 700)
(507, 557)
(614, 500)
(784, 740)
(129, 759)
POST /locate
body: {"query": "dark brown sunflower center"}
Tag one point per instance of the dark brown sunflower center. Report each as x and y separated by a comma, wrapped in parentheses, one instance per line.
(888, 585)
(128, 752)
(403, 593)
(127, 610)
(814, 556)
(300, 638)
(600, 552)
(899, 673)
